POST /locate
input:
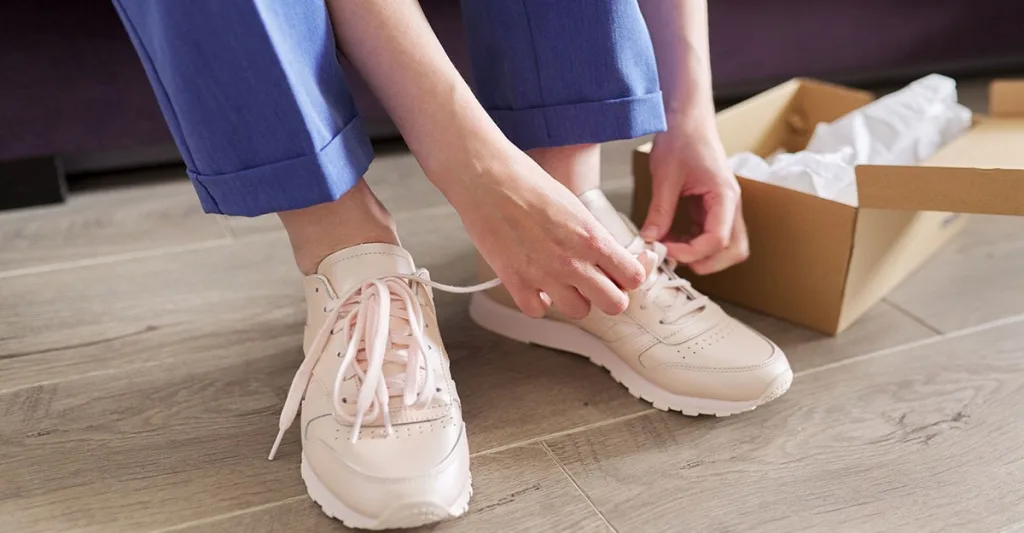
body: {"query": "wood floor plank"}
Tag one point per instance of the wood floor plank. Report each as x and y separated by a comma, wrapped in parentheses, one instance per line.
(880, 328)
(150, 448)
(976, 278)
(927, 439)
(158, 210)
(520, 489)
(56, 325)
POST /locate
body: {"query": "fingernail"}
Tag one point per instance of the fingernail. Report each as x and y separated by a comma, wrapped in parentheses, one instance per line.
(650, 232)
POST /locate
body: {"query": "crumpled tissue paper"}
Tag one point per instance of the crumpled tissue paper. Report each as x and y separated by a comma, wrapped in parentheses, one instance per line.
(902, 128)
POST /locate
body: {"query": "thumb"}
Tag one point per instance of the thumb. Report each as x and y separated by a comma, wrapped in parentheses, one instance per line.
(664, 200)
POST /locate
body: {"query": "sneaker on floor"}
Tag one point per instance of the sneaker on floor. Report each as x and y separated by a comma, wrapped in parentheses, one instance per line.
(672, 346)
(383, 441)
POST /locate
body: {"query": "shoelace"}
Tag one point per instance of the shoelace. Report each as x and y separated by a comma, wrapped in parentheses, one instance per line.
(664, 277)
(363, 317)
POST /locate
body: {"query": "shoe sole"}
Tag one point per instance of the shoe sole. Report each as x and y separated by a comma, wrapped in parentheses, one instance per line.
(401, 515)
(548, 333)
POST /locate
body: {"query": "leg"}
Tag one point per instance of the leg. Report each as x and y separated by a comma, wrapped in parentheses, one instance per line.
(356, 218)
(560, 77)
(577, 166)
(259, 108)
(257, 103)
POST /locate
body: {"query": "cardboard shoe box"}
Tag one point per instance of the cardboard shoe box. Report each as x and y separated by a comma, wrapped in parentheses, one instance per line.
(823, 264)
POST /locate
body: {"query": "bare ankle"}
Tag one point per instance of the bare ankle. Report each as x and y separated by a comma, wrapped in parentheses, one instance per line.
(578, 166)
(356, 218)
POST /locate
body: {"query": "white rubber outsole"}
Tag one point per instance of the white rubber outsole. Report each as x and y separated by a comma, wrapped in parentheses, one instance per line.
(511, 323)
(401, 515)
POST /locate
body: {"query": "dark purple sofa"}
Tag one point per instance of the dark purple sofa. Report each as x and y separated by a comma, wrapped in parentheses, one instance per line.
(73, 95)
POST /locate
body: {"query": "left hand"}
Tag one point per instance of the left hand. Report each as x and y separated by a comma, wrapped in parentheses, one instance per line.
(694, 165)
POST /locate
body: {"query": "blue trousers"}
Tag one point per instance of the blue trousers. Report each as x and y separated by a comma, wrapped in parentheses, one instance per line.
(258, 105)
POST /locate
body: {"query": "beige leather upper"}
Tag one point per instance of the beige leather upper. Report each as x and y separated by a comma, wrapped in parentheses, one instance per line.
(427, 451)
(707, 354)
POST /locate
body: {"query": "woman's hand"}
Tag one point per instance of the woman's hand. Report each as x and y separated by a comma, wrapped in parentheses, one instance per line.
(688, 160)
(691, 163)
(544, 244)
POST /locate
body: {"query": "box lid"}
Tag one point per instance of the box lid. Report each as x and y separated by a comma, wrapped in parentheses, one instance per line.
(980, 172)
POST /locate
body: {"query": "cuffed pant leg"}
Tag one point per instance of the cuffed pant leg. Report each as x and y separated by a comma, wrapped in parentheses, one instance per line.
(255, 98)
(561, 72)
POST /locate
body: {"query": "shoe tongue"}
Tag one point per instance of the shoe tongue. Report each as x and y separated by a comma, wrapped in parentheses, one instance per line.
(605, 213)
(348, 268)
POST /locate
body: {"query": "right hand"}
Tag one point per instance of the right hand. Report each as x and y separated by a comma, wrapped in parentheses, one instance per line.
(544, 245)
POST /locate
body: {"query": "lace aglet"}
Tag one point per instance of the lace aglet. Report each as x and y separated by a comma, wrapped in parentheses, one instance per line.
(277, 444)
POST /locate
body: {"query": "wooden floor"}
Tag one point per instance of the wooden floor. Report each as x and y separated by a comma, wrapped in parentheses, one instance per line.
(145, 350)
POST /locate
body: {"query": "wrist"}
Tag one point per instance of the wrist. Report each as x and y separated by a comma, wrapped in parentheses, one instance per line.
(691, 129)
(459, 172)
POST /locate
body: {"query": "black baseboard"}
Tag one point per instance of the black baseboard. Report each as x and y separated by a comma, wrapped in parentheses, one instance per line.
(32, 181)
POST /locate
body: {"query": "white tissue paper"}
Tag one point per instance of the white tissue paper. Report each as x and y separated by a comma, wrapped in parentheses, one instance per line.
(902, 128)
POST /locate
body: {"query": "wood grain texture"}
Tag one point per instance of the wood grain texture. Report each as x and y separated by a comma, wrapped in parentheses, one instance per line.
(520, 489)
(926, 439)
(976, 278)
(149, 448)
(160, 210)
(57, 325)
(880, 328)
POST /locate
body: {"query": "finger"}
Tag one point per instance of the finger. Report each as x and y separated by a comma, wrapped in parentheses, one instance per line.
(568, 300)
(531, 302)
(737, 251)
(649, 260)
(624, 269)
(718, 224)
(595, 286)
(661, 212)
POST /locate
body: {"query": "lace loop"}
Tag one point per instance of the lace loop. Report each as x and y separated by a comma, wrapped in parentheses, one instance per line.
(363, 317)
(663, 277)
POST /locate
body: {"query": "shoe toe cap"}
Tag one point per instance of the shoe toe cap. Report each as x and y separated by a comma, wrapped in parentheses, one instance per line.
(424, 464)
(730, 362)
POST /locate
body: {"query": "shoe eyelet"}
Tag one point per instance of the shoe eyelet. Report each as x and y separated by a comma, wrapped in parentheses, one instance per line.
(316, 289)
(344, 400)
(439, 389)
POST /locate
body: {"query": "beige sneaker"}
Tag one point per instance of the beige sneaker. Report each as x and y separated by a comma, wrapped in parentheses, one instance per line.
(672, 346)
(383, 441)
